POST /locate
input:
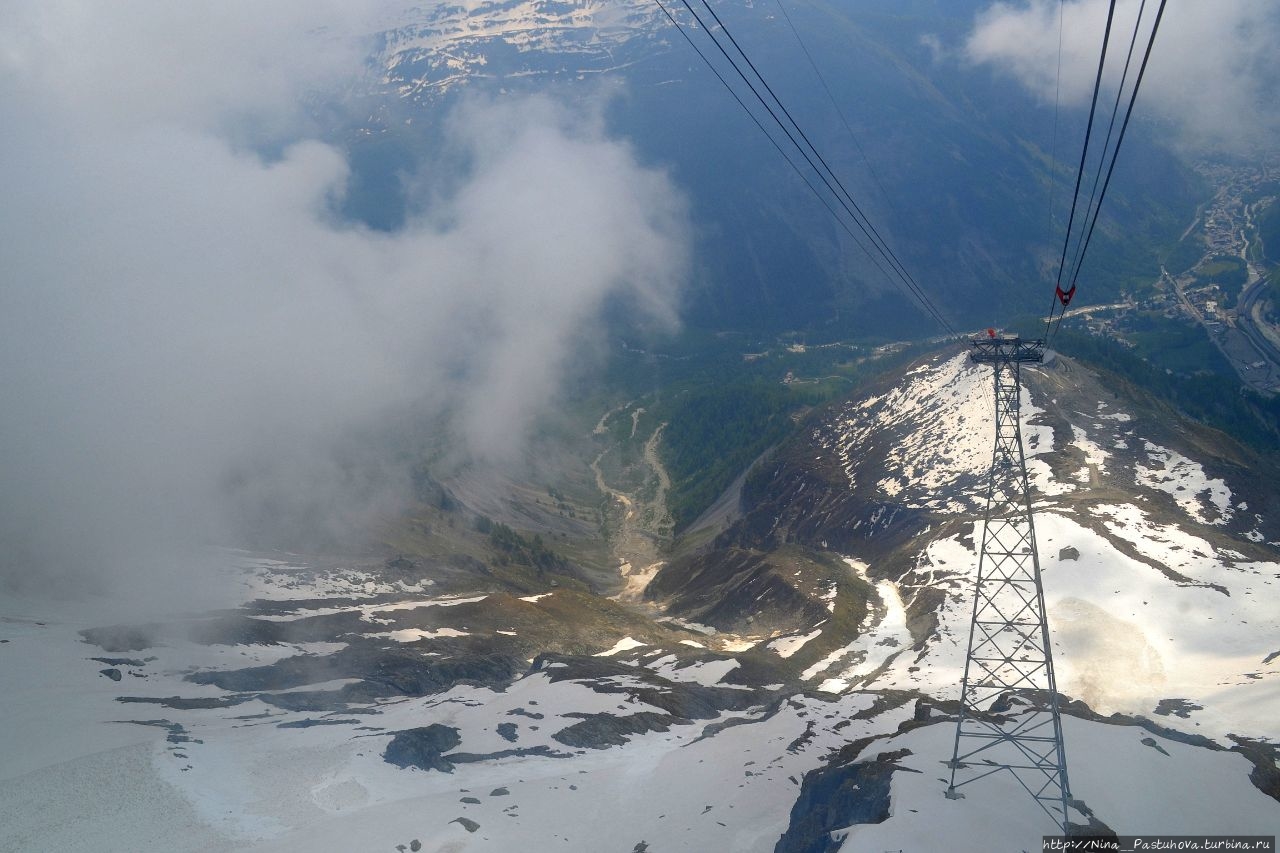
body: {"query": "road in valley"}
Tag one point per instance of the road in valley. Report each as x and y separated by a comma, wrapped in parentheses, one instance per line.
(1250, 322)
(1242, 333)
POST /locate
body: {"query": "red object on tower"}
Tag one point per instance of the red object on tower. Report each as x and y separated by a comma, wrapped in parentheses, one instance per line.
(991, 333)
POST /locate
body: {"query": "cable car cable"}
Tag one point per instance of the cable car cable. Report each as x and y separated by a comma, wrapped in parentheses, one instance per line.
(863, 224)
(1097, 84)
(1142, 70)
(799, 172)
(1106, 143)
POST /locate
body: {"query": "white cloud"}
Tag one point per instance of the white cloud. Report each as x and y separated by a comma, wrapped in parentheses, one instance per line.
(181, 319)
(1212, 72)
(199, 65)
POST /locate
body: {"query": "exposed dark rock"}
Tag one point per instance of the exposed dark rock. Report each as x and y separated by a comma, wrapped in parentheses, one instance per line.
(467, 824)
(285, 674)
(835, 797)
(542, 750)
(559, 668)
(1077, 708)
(887, 700)
(1069, 553)
(735, 589)
(122, 638)
(472, 801)
(804, 738)
(521, 712)
(508, 731)
(1093, 829)
(415, 845)
(757, 667)
(685, 700)
(1177, 707)
(601, 731)
(1151, 742)
(245, 627)
(307, 700)
(695, 701)
(810, 833)
(713, 729)
(309, 722)
(297, 608)
(922, 615)
(499, 792)
(177, 732)
(134, 662)
(240, 630)
(1003, 703)
(1265, 758)
(383, 672)
(398, 672)
(423, 748)
(180, 704)
(793, 499)
(112, 673)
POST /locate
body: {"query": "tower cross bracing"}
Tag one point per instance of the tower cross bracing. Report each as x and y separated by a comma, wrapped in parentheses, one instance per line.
(1009, 718)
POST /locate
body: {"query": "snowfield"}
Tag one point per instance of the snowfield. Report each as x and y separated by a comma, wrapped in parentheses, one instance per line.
(1141, 611)
(244, 783)
(944, 410)
(427, 51)
(1157, 613)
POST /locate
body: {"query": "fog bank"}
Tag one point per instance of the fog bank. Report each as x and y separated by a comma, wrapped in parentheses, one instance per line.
(189, 333)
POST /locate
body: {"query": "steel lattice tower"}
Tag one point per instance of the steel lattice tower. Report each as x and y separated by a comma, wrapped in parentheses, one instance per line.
(1009, 716)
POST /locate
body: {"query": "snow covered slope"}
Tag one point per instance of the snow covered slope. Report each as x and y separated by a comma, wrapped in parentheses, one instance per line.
(426, 52)
(1157, 539)
(1150, 600)
(356, 708)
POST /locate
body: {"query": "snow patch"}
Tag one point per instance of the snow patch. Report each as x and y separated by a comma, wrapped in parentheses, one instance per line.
(941, 411)
(707, 673)
(1094, 456)
(412, 635)
(625, 644)
(1186, 481)
(788, 646)
(367, 611)
(881, 636)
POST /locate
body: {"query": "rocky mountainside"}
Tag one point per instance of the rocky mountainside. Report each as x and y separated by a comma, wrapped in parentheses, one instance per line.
(949, 163)
(789, 684)
(895, 478)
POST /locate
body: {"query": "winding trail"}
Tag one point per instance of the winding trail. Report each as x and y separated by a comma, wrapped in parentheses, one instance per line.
(640, 525)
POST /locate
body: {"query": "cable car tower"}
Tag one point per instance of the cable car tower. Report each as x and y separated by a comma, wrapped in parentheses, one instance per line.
(1009, 718)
